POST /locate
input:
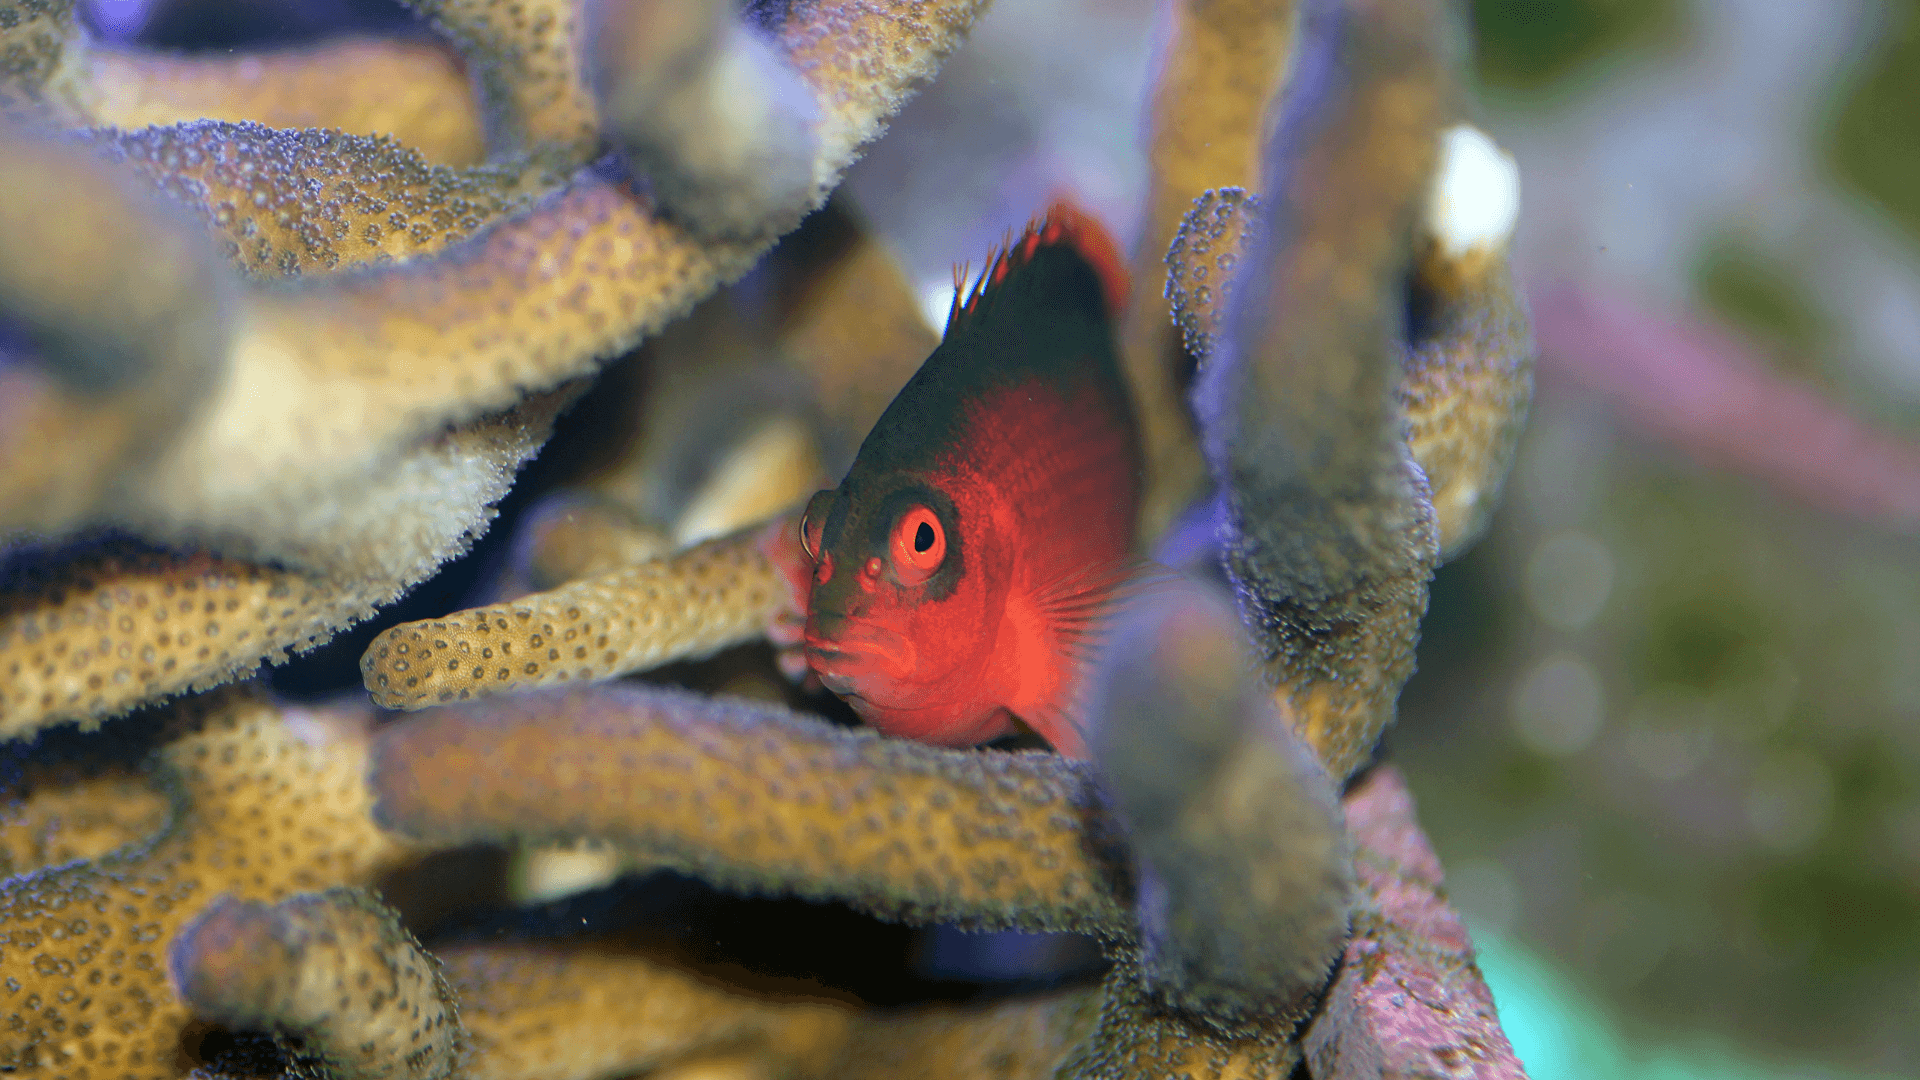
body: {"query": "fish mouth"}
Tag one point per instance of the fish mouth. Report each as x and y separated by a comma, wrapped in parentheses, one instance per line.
(857, 652)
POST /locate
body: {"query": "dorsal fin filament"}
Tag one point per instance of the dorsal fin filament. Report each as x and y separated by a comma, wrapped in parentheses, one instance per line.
(1063, 223)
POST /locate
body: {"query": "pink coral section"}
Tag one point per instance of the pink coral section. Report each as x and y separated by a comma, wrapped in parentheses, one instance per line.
(1696, 383)
(1408, 1001)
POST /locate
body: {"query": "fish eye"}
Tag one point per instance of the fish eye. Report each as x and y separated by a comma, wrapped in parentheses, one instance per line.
(919, 545)
(813, 522)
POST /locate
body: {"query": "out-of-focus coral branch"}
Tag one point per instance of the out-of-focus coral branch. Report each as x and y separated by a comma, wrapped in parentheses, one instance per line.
(1220, 63)
(1408, 1001)
(58, 812)
(1244, 872)
(87, 396)
(689, 604)
(753, 797)
(846, 316)
(1468, 367)
(1033, 1036)
(1332, 536)
(268, 802)
(100, 630)
(37, 39)
(569, 536)
(411, 91)
(525, 60)
(1697, 384)
(333, 975)
(707, 109)
(593, 1009)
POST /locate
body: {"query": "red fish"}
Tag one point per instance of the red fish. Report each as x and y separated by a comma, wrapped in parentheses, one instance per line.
(960, 568)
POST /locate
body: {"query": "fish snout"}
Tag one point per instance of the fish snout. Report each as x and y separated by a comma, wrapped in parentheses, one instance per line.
(824, 627)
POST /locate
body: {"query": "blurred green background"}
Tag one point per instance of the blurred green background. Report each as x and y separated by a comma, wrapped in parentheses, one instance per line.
(1666, 733)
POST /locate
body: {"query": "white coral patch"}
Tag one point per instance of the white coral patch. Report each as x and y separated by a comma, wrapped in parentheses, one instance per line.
(1476, 192)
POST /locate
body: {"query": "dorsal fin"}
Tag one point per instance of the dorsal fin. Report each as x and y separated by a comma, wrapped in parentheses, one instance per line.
(1063, 224)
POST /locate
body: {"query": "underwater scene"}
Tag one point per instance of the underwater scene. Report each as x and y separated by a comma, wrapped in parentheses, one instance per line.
(584, 539)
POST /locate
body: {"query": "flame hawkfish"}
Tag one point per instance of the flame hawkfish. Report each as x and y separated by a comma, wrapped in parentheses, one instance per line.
(961, 567)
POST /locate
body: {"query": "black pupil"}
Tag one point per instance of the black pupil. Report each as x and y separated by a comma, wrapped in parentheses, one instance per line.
(923, 537)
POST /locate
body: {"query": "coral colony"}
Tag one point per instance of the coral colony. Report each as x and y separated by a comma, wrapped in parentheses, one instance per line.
(276, 332)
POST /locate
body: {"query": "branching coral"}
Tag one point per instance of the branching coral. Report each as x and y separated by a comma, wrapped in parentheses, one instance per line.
(357, 347)
(322, 405)
(1241, 915)
(1331, 521)
(266, 803)
(1221, 63)
(332, 972)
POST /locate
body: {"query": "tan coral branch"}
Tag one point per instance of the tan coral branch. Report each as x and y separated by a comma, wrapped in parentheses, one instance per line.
(271, 802)
(580, 1011)
(1467, 367)
(314, 201)
(525, 61)
(1333, 537)
(690, 604)
(413, 91)
(754, 797)
(91, 634)
(38, 43)
(110, 356)
(707, 109)
(332, 974)
(1246, 875)
(57, 814)
(1220, 63)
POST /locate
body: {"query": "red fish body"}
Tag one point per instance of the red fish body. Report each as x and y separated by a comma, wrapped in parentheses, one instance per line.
(959, 568)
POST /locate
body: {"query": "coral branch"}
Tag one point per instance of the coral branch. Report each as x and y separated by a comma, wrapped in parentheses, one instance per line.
(1408, 1001)
(1137, 1036)
(90, 393)
(292, 202)
(568, 537)
(96, 632)
(1698, 385)
(1467, 369)
(717, 594)
(1468, 365)
(847, 317)
(96, 635)
(332, 975)
(38, 43)
(707, 109)
(57, 815)
(1219, 65)
(412, 91)
(1332, 535)
(549, 1012)
(269, 802)
(523, 56)
(756, 798)
(1244, 869)
(1028, 1037)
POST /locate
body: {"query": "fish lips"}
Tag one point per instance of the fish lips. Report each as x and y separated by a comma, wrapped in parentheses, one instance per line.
(849, 661)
